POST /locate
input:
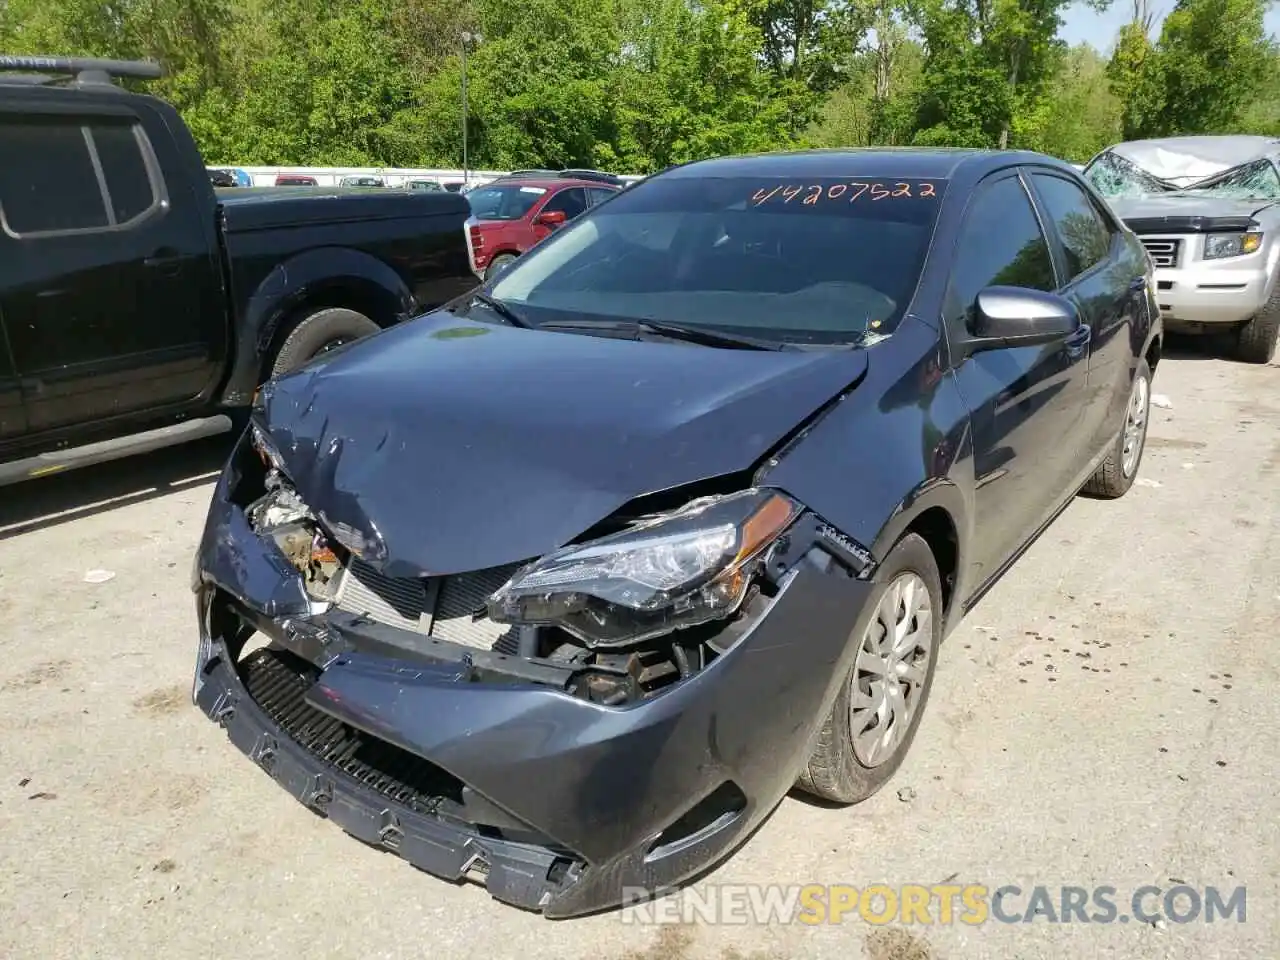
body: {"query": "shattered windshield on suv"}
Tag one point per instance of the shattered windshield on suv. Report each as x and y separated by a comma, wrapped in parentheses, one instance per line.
(818, 260)
(1250, 181)
(1113, 176)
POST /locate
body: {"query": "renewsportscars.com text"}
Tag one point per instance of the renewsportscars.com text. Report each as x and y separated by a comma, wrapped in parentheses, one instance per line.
(971, 904)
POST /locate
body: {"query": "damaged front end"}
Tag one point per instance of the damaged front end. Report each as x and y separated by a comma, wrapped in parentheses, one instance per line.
(616, 714)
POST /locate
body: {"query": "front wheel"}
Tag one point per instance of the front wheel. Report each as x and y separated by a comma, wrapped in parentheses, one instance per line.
(1256, 340)
(1115, 475)
(875, 716)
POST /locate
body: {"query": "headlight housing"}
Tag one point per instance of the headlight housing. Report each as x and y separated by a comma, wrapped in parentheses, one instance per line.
(674, 570)
(1218, 246)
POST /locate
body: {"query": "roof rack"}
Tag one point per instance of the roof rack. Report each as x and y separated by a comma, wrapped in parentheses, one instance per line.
(597, 175)
(85, 70)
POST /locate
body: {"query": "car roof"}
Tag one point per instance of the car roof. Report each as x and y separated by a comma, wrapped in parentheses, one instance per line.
(923, 162)
(547, 183)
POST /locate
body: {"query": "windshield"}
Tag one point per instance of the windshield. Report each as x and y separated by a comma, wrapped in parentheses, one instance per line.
(1114, 176)
(509, 202)
(818, 261)
(1249, 181)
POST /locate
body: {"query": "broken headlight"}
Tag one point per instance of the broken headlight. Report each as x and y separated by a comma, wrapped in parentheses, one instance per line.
(674, 570)
(282, 517)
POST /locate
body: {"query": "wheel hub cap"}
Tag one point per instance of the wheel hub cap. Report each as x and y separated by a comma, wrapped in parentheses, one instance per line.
(890, 670)
(1135, 424)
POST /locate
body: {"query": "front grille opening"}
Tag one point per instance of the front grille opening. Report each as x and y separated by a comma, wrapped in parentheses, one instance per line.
(1164, 253)
(278, 681)
(713, 812)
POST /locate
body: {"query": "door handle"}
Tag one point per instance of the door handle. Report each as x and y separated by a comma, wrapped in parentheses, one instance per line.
(1138, 283)
(166, 259)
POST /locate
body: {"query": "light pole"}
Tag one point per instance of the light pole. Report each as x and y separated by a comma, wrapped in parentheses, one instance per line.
(467, 38)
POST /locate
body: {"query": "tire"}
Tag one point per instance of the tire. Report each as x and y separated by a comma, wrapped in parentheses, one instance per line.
(501, 260)
(836, 770)
(1111, 479)
(318, 332)
(1256, 340)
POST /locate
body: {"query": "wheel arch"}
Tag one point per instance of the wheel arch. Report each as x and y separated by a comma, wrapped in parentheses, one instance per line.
(934, 514)
(311, 281)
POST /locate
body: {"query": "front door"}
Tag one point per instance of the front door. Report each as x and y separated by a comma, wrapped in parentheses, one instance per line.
(1025, 402)
(111, 302)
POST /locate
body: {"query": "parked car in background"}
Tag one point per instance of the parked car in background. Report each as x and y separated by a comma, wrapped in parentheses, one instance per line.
(511, 214)
(295, 180)
(361, 182)
(1208, 211)
(454, 186)
(420, 184)
(222, 178)
(587, 569)
(139, 307)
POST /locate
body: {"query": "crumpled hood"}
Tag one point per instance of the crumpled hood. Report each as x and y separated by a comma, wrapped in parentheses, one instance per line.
(449, 445)
(1182, 206)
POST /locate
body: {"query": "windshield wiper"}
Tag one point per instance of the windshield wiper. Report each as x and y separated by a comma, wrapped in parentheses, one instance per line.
(500, 308)
(671, 331)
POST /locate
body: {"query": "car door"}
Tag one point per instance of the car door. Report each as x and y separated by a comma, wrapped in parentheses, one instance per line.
(1107, 286)
(571, 201)
(1025, 402)
(118, 303)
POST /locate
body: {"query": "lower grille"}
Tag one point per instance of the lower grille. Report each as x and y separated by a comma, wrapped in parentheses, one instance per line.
(1164, 253)
(277, 682)
(444, 607)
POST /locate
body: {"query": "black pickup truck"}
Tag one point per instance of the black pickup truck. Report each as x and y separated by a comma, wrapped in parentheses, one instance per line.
(139, 306)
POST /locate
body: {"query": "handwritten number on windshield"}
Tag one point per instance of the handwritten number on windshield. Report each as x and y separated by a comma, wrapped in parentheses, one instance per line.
(849, 192)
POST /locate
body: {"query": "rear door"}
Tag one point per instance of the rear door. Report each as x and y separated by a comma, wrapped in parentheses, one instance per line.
(1105, 286)
(117, 305)
(1025, 401)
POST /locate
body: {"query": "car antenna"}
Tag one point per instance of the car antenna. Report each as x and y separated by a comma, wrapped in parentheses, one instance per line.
(85, 70)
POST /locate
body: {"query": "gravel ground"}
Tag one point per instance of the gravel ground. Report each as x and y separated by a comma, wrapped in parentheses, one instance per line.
(1108, 715)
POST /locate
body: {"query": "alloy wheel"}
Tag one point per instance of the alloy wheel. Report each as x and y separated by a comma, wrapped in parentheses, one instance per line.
(1135, 425)
(890, 670)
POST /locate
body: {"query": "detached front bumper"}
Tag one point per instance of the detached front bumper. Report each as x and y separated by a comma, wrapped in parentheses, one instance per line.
(555, 803)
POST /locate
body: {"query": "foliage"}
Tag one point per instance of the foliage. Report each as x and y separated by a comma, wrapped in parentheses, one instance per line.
(637, 85)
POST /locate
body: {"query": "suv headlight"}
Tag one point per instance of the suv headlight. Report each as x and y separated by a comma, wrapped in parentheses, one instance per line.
(675, 570)
(1218, 246)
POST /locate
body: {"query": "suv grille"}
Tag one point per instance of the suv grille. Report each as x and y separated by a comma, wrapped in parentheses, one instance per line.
(278, 687)
(1164, 253)
(444, 607)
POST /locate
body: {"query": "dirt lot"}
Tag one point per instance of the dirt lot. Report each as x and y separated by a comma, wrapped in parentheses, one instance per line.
(1107, 716)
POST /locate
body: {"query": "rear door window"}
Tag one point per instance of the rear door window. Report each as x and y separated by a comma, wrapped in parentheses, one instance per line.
(124, 165)
(48, 182)
(599, 194)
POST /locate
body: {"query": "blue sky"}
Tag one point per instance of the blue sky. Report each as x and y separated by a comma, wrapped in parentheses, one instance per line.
(1100, 29)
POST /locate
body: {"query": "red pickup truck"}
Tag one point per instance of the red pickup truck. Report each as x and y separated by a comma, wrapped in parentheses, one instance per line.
(510, 215)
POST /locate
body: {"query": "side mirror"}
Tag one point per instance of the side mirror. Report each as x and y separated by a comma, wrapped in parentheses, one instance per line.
(1017, 316)
(551, 218)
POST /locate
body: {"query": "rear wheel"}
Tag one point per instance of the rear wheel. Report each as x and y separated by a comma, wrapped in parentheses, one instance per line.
(1115, 475)
(875, 716)
(497, 264)
(319, 333)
